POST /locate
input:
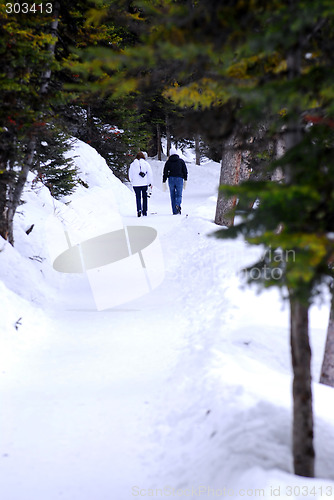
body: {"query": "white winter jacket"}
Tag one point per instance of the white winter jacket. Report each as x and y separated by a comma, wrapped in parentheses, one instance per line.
(140, 166)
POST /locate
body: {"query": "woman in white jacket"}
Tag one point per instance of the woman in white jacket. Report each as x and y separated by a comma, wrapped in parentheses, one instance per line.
(140, 175)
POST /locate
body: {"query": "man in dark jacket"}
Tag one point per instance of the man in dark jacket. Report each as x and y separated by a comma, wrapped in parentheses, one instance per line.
(175, 171)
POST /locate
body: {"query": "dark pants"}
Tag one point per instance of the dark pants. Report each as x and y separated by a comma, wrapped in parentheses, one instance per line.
(175, 189)
(141, 198)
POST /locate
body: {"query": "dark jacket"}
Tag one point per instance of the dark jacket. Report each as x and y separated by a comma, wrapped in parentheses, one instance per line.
(175, 167)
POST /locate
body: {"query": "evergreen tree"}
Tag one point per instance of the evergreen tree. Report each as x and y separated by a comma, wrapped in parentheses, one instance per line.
(261, 63)
(53, 169)
(27, 48)
(34, 47)
(130, 72)
(295, 217)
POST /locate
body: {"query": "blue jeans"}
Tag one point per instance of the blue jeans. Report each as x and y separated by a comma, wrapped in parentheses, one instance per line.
(141, 193)
(175, 189)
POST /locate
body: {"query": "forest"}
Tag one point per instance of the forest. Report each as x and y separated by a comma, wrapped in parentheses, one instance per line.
(249, 83)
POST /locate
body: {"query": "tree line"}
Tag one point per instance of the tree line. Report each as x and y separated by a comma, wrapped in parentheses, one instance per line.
(253, 81)
(54, 85)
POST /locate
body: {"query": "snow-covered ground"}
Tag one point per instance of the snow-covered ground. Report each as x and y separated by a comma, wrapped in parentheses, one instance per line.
(181, 392)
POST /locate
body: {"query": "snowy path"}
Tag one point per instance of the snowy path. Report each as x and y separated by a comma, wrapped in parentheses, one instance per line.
(88, 438)
(96, 376)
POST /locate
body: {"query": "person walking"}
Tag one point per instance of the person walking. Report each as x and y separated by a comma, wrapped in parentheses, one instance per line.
(176, 172)
(140, 176)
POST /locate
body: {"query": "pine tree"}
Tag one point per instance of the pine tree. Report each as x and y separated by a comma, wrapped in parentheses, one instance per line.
(32, 90)
(52, 167)
(294, 216)
(263, 63)
(27, 47)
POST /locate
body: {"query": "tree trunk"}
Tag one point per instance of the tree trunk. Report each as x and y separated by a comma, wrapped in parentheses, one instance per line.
(230, 175)
(279, 150)
(197, 150)
(3, 206)
(159, 148)
(168, 136)
(46, 76)
(7, 178)
(89, 124)
(303, 451)
(16, 190)
(327, 369)
(293, 134)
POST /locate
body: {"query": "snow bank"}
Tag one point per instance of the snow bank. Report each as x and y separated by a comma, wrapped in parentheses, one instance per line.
(27, 268)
